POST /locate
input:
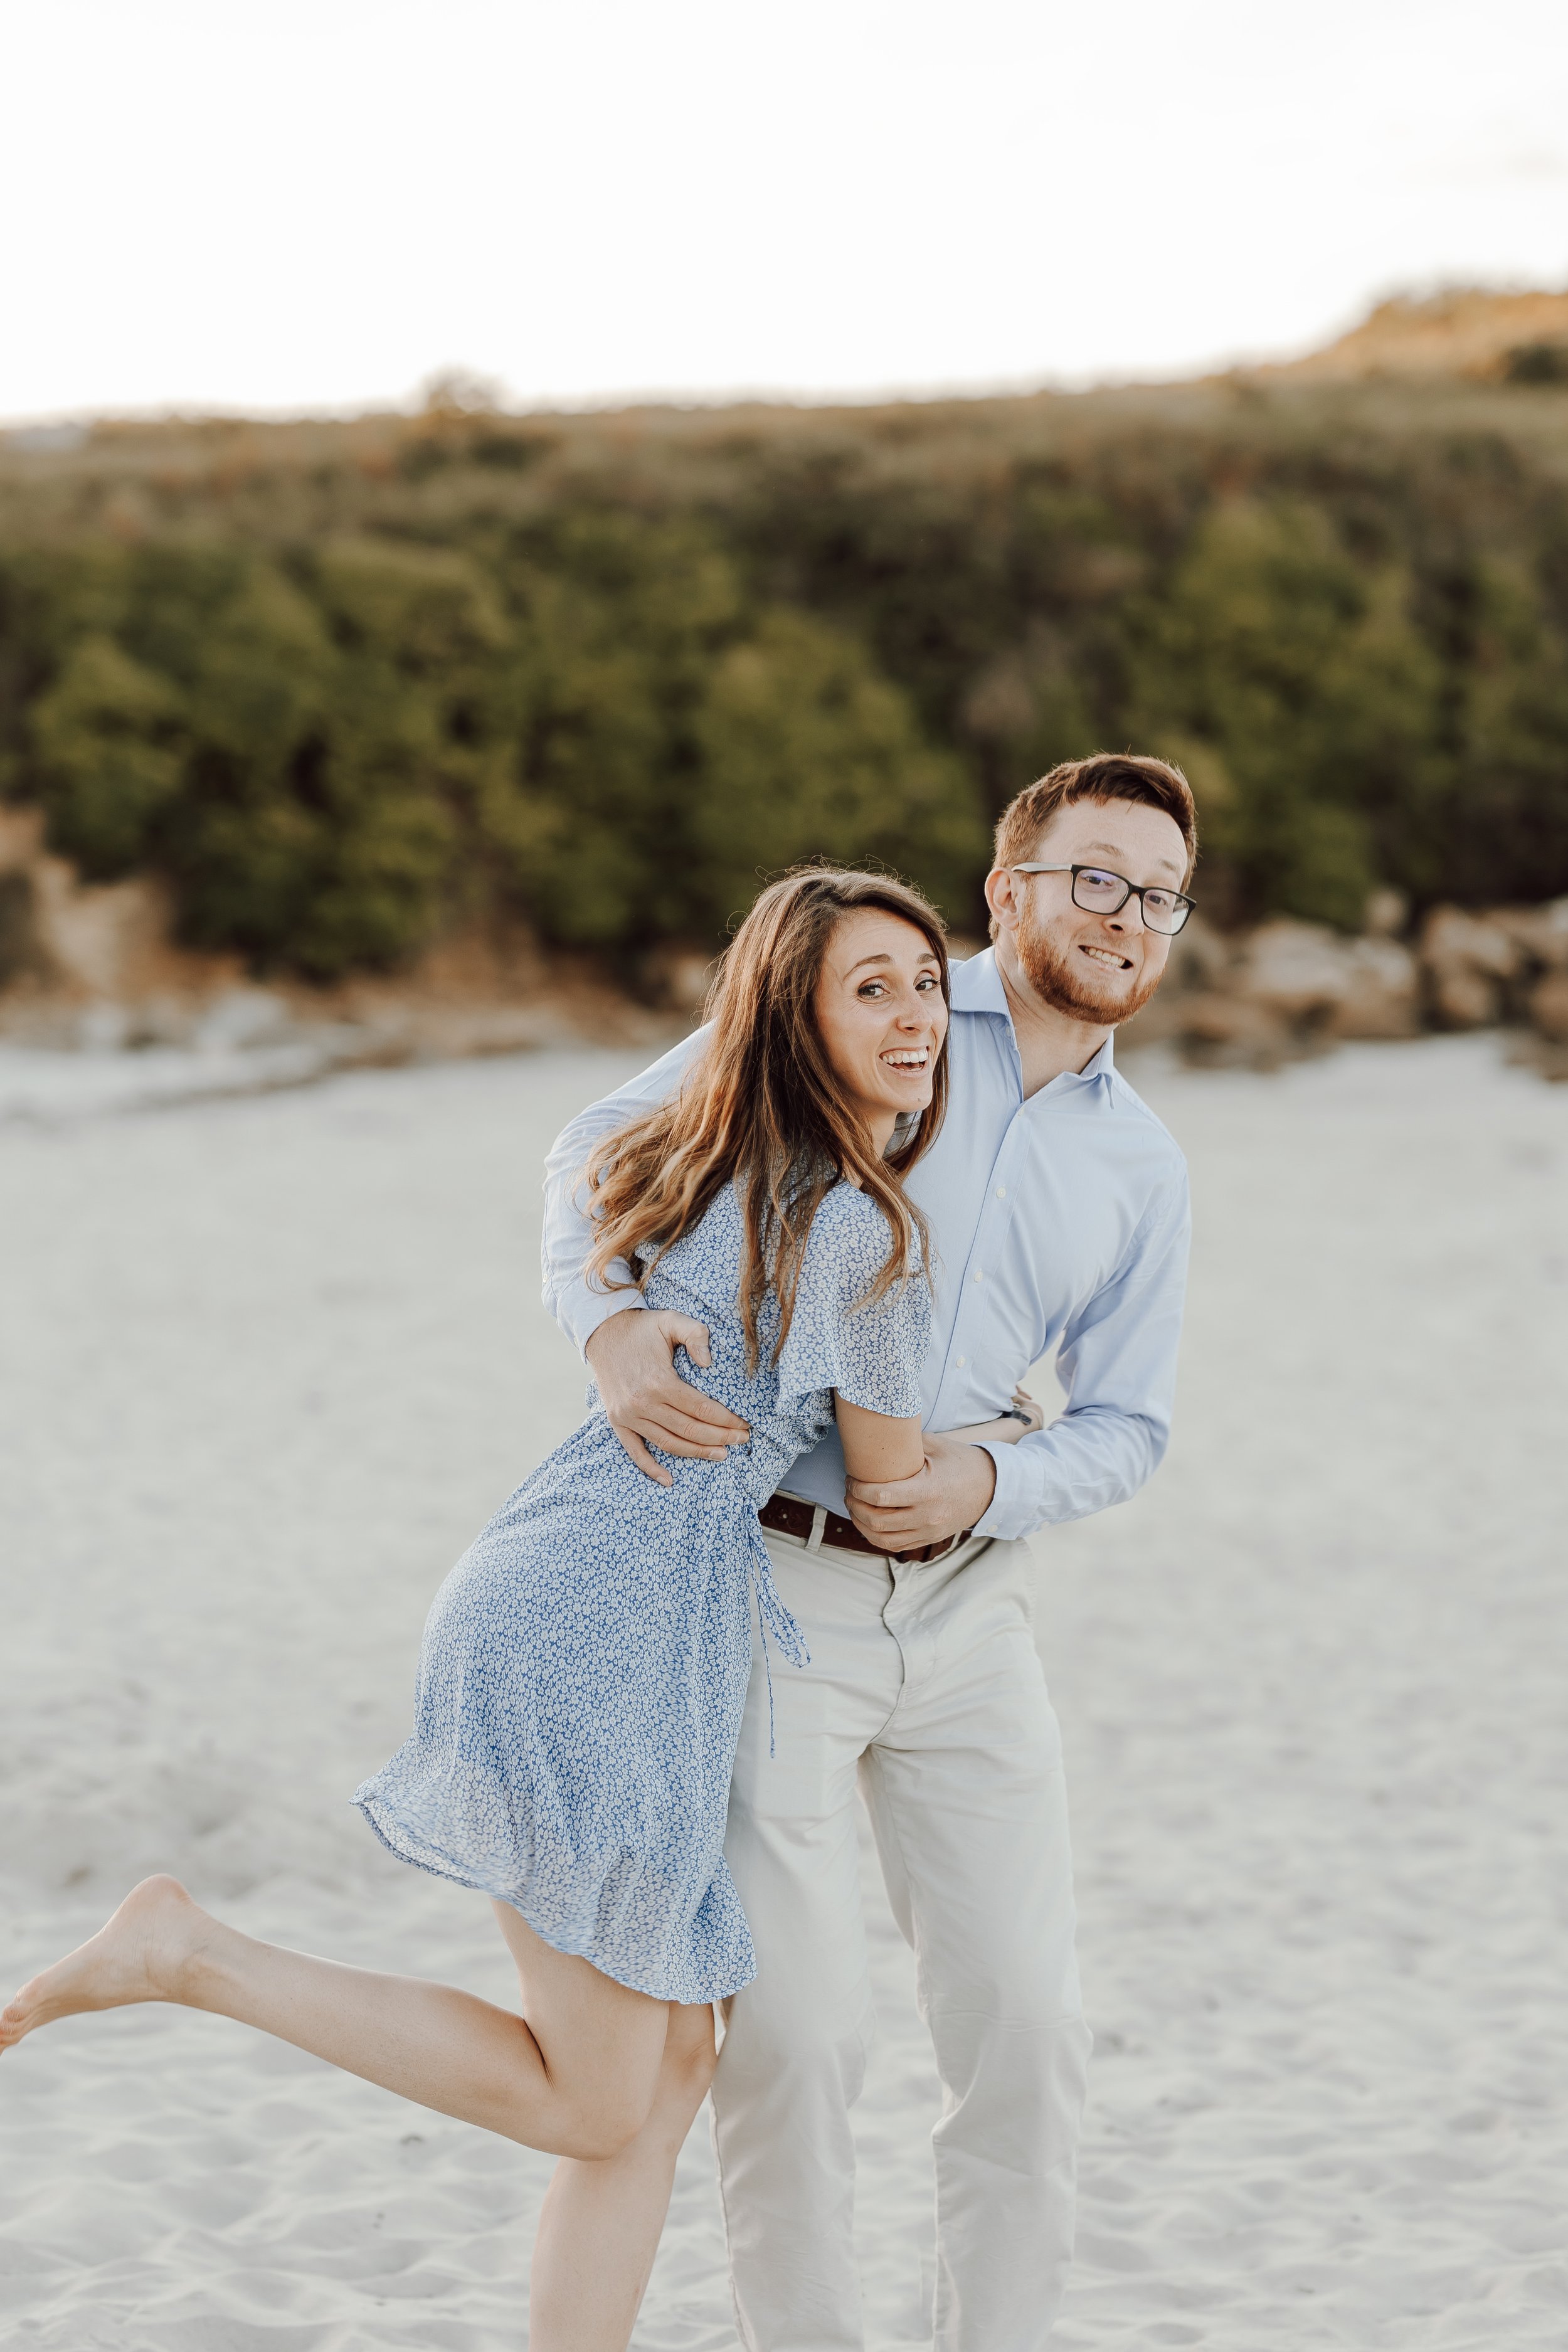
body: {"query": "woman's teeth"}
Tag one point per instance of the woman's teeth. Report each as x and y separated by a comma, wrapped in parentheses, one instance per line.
(914, 1057)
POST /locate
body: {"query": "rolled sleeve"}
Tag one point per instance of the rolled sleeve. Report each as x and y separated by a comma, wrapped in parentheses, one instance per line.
(578, 1303)
(1118, 1364)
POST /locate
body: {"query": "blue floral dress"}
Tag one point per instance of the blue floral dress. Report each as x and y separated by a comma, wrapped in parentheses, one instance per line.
(584, 1665)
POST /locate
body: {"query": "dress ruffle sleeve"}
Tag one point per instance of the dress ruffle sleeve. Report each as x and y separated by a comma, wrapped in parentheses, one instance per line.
(869, 1350)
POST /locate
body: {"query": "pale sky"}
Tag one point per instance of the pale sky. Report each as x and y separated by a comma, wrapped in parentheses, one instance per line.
(316, 204)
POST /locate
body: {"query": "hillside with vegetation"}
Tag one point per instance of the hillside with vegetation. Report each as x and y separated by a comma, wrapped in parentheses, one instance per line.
(349, 687)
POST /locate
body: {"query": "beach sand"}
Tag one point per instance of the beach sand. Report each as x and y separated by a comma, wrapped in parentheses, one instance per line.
(267, 1365)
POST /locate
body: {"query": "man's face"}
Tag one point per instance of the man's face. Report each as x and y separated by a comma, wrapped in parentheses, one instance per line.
(1094, 968)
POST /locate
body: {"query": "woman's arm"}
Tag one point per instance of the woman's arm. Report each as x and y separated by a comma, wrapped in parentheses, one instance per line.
(875, 1445)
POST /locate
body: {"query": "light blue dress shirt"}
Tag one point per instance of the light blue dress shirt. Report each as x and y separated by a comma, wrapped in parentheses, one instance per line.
(1059, 1230)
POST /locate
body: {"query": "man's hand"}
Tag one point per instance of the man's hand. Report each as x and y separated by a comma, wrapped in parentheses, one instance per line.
(632, 1357)
(952, 1491)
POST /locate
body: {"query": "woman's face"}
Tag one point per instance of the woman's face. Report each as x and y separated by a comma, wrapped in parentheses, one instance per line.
(881, 1015)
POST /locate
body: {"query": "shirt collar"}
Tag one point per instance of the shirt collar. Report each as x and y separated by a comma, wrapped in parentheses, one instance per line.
(977, 987)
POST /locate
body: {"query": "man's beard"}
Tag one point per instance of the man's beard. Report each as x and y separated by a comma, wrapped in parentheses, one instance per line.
(1068, 986)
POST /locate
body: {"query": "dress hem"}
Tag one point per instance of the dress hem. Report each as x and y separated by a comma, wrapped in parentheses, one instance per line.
(456, 1877)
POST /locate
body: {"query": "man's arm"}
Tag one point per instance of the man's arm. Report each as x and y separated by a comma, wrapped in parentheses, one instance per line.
(1118, 1364)
(567, 1243)
(630, 1352)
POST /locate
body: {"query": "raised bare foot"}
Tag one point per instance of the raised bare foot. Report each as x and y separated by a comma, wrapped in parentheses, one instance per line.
(144, 1953)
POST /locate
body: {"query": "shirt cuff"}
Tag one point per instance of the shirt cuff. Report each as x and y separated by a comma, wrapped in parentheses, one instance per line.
(583, 1311)
(1012, 1511)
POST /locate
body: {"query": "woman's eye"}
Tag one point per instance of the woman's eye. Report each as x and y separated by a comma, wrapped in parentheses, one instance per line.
(872, 988)
(926, 982)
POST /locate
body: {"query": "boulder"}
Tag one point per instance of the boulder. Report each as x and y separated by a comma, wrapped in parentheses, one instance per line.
(243, 1019)
(1538, 933)
(1299, 971)
(1383, 998)
(1322, 984)
(1222, 1032)
(1548, 1007)
(1467, 961)
(1387, 914)
(1200, 957)
(678, 976)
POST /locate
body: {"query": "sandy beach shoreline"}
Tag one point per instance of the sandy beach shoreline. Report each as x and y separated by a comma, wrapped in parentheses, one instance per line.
(268, 1363)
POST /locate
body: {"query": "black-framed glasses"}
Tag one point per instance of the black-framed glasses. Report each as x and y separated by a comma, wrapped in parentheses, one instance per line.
(1099, 892)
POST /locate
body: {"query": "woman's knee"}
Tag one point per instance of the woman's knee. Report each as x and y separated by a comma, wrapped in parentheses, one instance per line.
(606, 2121)
(690, 2056)
(599, 2137)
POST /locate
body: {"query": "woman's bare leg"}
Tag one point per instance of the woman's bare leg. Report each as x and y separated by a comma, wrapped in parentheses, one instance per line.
(600, 2228)
(578, 2078)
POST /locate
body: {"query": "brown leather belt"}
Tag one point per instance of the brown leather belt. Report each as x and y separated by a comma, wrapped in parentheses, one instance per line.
(788, 1516)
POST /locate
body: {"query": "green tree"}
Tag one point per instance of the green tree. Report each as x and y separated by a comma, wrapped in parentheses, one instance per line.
(1296, 682)
(808, 750)
(108, 740)
(618, 622)
(1506, 832)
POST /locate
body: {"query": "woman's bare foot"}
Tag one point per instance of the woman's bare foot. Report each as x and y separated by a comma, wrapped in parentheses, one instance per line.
(144, 1953)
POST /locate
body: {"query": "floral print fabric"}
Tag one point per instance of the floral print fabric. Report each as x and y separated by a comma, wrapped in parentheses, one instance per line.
(584, 1665)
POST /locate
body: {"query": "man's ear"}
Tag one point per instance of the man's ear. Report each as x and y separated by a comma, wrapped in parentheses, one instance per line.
(999, 897)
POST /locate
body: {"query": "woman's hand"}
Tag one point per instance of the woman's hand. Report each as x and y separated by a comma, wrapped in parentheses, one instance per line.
(632, 1357)
(1007, 1429)
(952, 1492)
(1024, 1403)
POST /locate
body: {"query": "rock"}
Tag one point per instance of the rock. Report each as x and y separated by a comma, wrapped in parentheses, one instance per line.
(102, 1028)
(243, 1019)
(1540, 933)
(1459, 998)
(1322, 984)
(1466, 963)
(163, 1020)
(21, 838)
(678, 976)
(1302, 971)
(1383, 998)
(1387, 913)
(1200, 957)
(1220, 1031)
(1548, 1007)
(20, 950)
(98, 936)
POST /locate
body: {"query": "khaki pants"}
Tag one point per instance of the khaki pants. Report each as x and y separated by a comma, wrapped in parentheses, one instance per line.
(925, 1691)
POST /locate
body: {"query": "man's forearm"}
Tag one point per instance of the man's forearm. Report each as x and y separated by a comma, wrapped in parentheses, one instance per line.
(581, 1305)
(1084, 1463)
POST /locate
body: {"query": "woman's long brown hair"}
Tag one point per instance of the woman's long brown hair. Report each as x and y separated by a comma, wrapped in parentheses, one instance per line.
(764, 1106)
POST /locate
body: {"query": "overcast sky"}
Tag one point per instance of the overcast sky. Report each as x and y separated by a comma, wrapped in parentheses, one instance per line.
(316, 204)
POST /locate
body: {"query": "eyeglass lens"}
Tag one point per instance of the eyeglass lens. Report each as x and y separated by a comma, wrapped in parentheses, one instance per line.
(1103, 894)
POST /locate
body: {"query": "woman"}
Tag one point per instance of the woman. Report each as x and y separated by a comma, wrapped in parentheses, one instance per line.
(585, 1665)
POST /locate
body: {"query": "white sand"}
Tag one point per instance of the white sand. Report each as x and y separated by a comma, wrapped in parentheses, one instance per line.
(266, 1367)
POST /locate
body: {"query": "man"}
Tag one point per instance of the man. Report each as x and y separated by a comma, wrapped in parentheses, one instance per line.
(1058, 1207)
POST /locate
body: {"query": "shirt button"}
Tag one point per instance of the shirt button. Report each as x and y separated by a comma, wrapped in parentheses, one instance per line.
(1000, 1191)
(978, 1275)
(961, 1361)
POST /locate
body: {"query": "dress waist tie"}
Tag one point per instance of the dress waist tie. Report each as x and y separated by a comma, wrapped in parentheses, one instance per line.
(772, 1615)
